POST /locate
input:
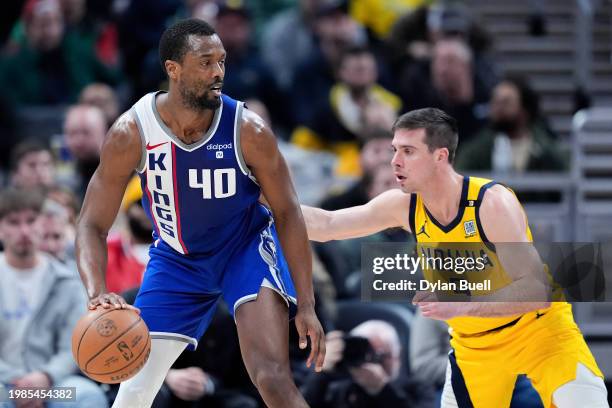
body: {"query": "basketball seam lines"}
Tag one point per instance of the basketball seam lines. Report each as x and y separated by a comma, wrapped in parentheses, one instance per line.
(78, 355)
(132, 362)
(112, 341)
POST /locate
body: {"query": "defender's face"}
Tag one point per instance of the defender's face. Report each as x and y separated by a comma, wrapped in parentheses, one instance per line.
(413, 163)
(200, 77)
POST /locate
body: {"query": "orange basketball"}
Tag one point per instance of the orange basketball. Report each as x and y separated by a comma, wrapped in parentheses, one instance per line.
(111, 345)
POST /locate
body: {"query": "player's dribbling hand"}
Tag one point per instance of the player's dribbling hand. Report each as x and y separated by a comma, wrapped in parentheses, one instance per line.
(108, 301)
(308, 325)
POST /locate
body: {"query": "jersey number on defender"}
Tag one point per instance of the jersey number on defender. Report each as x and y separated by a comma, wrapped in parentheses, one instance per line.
(224, 182)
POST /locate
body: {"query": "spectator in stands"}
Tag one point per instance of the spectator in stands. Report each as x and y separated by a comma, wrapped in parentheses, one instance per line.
(56, 232)
(47, 65)
(288, 39)
(141, 24)
(128, 250)
(356, 107)
(369, 384)
(69, 202)
(414, 35)
(335, 31)
(449, 83)
(84, 130)
(104, 97)
(375, 152)
(41, 303)
(429, 347)
(380, 15)
(515, 121)
(32, 166)
(246, 75)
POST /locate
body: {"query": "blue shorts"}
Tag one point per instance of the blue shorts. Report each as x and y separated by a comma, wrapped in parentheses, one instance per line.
(179, 293)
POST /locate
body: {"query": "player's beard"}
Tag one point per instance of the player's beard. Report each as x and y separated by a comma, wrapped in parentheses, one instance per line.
(196, 101)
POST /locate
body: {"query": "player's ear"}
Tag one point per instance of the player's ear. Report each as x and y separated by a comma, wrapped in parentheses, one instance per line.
(442, 154)
(172, 69)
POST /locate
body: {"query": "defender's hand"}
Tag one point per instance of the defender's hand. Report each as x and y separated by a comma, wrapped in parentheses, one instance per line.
(110, 300)
(308, 325)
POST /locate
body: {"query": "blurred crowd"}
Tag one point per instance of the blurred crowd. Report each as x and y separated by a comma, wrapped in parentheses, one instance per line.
(330, 76)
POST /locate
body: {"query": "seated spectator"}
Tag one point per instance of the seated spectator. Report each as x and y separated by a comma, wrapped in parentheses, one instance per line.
(368, 378)
(49, 66)
(514, 121)
(429, 347)
(85, 127)
(288, 39)
(448, 82)
(32, 166)
(104, 97)
(246, 75)
(356, 107)
(69, 202)
(380, 15)
(375, 152)
(414, 35)
(335, 32)
(56, 232)
(41, 303)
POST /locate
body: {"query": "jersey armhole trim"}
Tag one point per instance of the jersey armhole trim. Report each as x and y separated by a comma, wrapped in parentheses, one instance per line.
(238, 146)
(143, 143)
(412, 214)
(481, 193)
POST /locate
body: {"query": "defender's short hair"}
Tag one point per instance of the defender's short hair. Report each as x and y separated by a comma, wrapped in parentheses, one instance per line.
(440, 128)
(174, 43)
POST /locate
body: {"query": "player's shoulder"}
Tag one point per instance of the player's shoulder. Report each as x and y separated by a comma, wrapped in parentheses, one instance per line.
(500, 202)
(124, 131)
(252, 124)
(123, 144)
(256, 137)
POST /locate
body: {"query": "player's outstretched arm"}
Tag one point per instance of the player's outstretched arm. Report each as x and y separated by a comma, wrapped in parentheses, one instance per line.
(261, 154)
(389, 209)
(121, 154)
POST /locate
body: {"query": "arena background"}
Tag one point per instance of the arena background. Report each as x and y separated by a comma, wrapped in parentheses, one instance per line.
(330, 77)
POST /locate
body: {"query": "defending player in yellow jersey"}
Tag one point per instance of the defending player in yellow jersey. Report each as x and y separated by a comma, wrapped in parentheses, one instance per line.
(492, 342)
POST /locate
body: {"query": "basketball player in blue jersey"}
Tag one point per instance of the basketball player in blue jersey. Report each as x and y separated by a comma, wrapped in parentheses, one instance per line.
(493, 342)
(204, 161)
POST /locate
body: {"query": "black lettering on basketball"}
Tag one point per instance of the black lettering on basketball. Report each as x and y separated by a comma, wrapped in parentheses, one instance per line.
(125, 351)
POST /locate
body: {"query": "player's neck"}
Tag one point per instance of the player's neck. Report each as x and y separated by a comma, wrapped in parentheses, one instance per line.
(187, 124)
(443, 196)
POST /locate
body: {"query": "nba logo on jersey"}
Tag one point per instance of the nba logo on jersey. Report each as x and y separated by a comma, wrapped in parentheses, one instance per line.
(219, 154)
(470, 228)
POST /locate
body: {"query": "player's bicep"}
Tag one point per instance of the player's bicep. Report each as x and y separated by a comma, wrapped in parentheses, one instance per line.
(505, 225)
(120, 155)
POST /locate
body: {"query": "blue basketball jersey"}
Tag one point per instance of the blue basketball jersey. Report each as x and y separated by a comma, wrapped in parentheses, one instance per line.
(201, 197)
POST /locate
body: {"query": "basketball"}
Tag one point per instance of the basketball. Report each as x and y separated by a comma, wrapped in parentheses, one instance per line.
(111, 345)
